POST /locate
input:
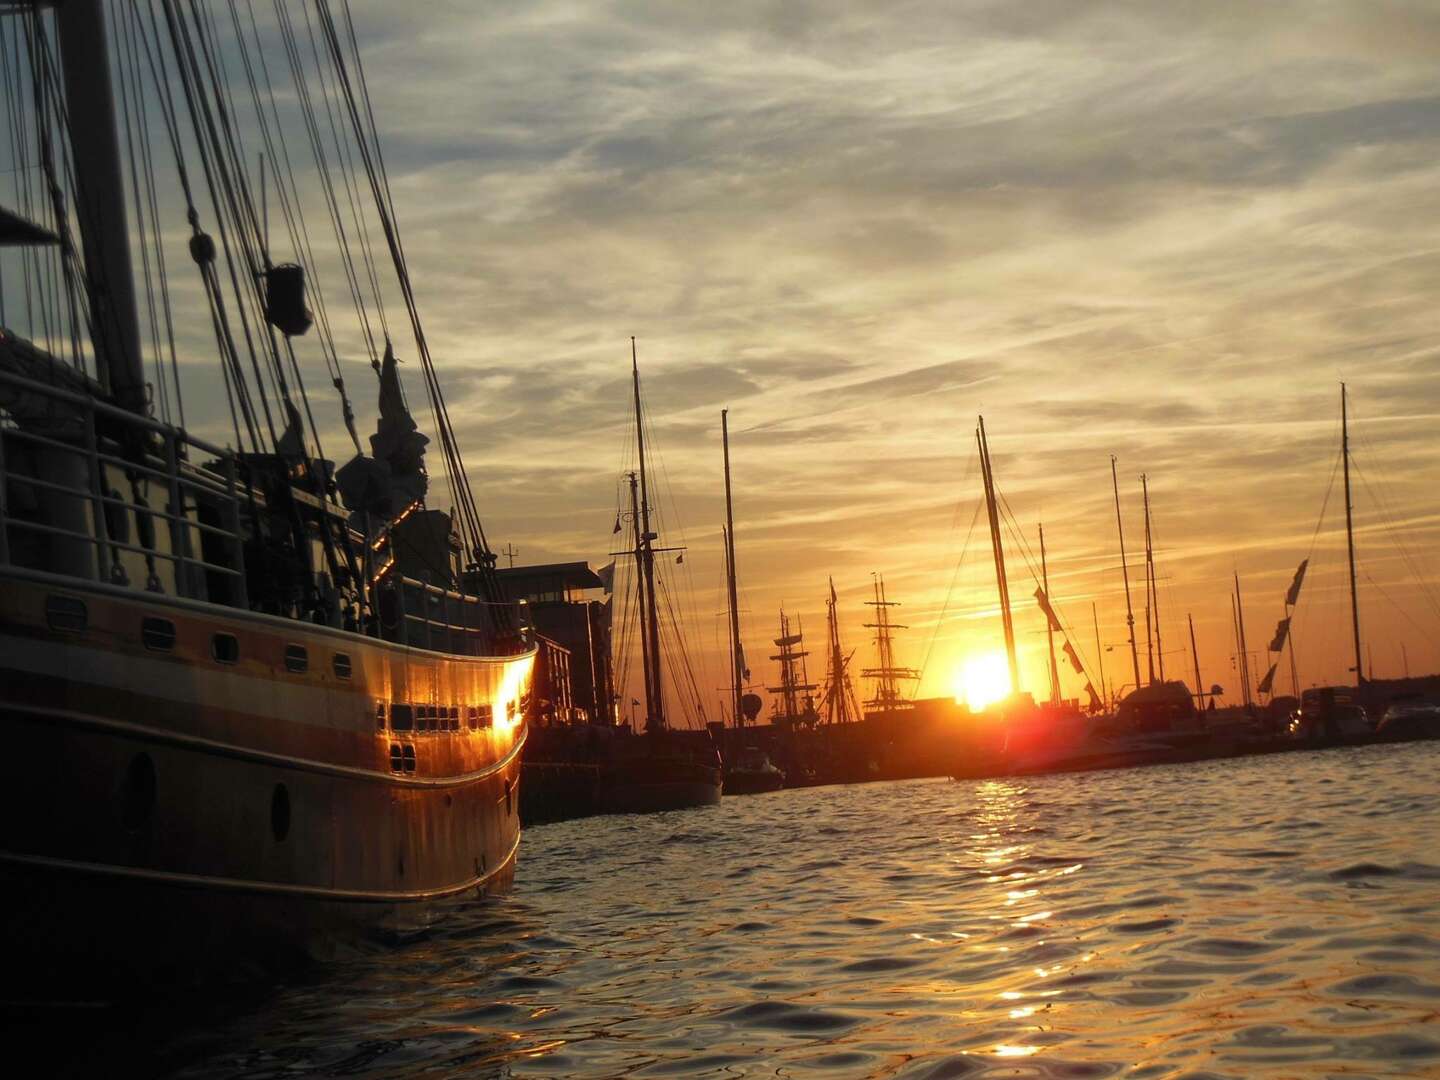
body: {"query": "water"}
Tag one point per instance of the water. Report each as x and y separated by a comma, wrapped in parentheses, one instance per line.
(1266, 917)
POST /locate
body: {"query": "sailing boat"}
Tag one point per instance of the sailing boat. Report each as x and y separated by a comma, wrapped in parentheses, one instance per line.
(794, 703)
(252, 718)
(748, 769)
(659, 768)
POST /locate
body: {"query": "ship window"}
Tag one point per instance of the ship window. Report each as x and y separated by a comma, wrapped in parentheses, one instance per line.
(408, 758)
(487, 715)
(402, 718)
(297, 659)
(472, 716)
(225, 648)
(422, 718)
(65, 613)
(454, 717)
(341, 663)
(158, 634)
(380, 716)
(397, 759)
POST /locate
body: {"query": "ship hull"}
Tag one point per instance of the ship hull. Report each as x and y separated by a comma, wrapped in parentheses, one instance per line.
(647, 785)
(176, 813)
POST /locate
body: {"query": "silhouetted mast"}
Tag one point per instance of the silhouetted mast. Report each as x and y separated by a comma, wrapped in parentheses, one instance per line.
(1350, 534)
(1099, 651)
(1049, 627)
(886, 674)
(1001, 581)
(645, 556)
(1195, 655)
(840, 707)
(1240, 629)
(1125, 572)
(1152, 590)
(737, 663)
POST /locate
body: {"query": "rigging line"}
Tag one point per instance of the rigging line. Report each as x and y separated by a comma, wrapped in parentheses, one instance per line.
(179, 39)
(132, 156)
(1408, 617)
(132, 32)
(1396, 538)
(949, 593)
(680, 640)
(322, 163)
(459, 482)
(347, 172)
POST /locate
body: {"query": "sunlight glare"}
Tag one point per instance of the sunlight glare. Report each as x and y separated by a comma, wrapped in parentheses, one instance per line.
(982, 680)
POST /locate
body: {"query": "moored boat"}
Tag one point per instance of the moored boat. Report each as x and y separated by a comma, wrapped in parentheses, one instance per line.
(261, 708)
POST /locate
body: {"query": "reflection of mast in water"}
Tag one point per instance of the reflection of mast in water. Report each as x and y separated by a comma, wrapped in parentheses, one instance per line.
(886, 674)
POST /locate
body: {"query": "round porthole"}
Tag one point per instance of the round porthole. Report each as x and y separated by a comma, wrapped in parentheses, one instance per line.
(137, 793)
(280, 812)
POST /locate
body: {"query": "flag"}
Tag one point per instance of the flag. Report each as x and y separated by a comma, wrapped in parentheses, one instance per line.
(1294, 592)
(617, 525)
(679, 558)
(1282, 629)
(606, 574)
(1094, 697)
(1266, 682)
(1044, 602)
(1073, 658)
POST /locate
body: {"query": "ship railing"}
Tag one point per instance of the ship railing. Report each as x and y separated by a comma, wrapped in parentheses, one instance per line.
(84, 520)
(443, 620)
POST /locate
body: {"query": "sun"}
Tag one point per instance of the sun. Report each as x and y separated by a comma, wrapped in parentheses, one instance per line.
(982, 680)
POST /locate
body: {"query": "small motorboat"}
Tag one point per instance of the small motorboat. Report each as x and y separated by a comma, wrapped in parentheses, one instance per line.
(753, 773)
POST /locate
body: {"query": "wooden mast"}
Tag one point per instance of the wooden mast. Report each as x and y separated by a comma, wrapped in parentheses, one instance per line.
(645, 555)
(737, 674)
(1049, 627)
(1350, 535)
(1152, 590)
(1099, 651)
(100, 201)
(1125, 572)
(642, 605)
(1001, 581)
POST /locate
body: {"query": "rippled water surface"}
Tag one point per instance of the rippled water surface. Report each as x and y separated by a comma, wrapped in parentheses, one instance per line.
(1273, 916)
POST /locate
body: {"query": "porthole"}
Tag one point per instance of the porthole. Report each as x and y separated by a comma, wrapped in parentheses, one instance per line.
(66, 614)
(157, 634)
(341, 663)
(280, 812)
(224, 648)
(297, 659)
(137, 793)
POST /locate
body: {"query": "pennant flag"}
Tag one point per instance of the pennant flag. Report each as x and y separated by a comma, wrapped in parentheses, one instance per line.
(1282, 630)
(1294, 592)
(679, 558)
(617, 525)
(606, 574)
(1044, 602)
(1074, 658)
(1094, 697)
(1267, 681)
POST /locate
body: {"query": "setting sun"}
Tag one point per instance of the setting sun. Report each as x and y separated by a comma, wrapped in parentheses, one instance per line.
(982, 680)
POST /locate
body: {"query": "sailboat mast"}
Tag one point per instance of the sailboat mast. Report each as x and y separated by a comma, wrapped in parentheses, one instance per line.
(1350, 534)
(1152, 600)
(737, 674)
(1099, 650)
(1125, 573)
(642, 604)
(1001, 582)
(1195, 655)
(100, 202)
(1244, 650)
(1049, 627)
(645, 553)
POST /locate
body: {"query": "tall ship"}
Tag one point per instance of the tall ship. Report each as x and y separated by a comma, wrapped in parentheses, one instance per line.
(657, 767)
(793, 704)
(262, 706)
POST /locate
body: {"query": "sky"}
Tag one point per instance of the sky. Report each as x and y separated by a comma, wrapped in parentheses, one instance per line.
(1165, 232)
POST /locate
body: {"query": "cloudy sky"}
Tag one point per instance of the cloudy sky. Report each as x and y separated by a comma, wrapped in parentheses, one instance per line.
(1158, 231)
(1161, 231)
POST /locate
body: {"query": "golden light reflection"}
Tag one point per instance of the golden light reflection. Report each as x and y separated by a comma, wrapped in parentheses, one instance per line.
(982, 680)
(1007, 1050)
(1023, 1011)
